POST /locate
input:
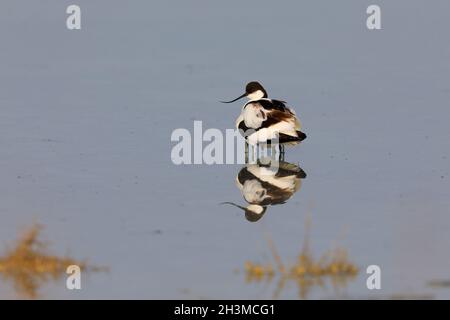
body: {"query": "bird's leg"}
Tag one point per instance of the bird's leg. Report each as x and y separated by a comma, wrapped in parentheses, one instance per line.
(273, 151)
(253, 153)
(263, 151)
(246, 152)
(250, 151)
(281, 149)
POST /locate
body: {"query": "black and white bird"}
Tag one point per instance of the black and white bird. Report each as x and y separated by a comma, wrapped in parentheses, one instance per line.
(264, 120)
(267, 183)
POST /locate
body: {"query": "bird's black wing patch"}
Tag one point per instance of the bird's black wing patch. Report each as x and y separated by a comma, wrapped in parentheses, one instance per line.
(280, 105)
(244, 129)
(288, 169)
(245, 175)
(285, 138)
(273, 104)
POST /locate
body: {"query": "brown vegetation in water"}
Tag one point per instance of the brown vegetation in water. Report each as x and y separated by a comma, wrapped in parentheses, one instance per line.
(307, 272)
(28, 265)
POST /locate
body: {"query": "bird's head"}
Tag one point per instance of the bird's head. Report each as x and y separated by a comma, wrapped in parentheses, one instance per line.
(253, 91)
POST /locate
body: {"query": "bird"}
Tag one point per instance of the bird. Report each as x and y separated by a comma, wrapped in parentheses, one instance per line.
(267, 183)
(264, 120)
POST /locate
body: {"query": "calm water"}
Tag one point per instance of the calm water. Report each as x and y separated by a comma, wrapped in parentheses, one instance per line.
(86, 118)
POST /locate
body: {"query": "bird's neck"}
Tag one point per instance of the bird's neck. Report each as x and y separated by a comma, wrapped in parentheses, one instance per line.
(259, 94)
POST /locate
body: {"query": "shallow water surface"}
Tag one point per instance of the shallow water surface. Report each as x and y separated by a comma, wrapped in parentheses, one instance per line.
(85, 124)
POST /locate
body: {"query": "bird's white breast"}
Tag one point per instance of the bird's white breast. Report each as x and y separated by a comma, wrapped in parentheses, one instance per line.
(253, 192)
(254, 115)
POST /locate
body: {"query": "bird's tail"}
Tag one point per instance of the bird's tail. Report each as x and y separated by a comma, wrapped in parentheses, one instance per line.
(301, 135)
(290, 139)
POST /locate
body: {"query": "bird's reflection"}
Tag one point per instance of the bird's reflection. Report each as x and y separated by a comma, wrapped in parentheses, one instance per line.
(267, 182)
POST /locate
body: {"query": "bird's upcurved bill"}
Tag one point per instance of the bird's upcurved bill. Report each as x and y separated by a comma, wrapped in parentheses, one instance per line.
(235, 99)
(234, 204)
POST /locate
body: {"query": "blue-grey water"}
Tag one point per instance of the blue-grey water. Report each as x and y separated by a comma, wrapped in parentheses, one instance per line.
(86, 118)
